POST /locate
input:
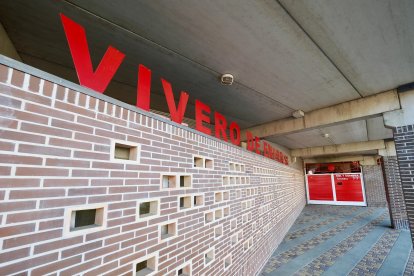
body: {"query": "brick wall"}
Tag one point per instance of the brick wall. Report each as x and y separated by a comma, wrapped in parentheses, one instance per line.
(396, 202)
(404, 144)
(57, 159)
(374, 186)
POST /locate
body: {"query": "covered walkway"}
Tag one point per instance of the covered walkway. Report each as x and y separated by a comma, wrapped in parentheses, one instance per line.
(339, 240)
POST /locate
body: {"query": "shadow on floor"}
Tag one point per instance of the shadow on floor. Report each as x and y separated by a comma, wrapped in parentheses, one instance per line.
(342, 240)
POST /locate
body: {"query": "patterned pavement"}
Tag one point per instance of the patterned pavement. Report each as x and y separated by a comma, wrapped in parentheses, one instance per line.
(342, 240)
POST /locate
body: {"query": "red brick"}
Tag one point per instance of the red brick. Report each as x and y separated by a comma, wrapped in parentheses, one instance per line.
(34, 84)
(86, 191)
(29, 171)
(42, 150)
(72, 96)
(107, 165)
(72, 126)
(101, 252)
(56, 245)
(66, 182)
(50, 224)
(123, 189)
(26, 264)
(89, 173)
(17, 229)
(85, 247)
(25, 194)
(79, 268)
(92, 138)
(19, 136)
(106, 182)
(91, 155)
(124, 174)
(5, 170)
(119, 254)
(62, 202)
(19, 182)
(122, 205)
(43, 270)
(94, 123)
(34, 215)
(6, 146)
(4, 72)
(82, 100)
(9, 102)
(101, 234)
(17, 78)
(119, 238)
(45, 130)
(30, 117)
(14, 255)
(38, 109)
(17, 205)
(69, 144)
(24, 95)
(47, 88)
(109, 198)
(74, 109)
(32, 238)
(67, 163)
(60, 93)
(102, 269)
(110, 134)
(20, 159)
(9, 123)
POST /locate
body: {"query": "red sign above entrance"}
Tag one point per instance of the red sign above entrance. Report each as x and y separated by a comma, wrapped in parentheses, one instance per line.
(99, 79)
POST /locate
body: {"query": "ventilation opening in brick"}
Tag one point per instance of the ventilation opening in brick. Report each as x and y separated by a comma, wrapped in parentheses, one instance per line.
(218, 197)
(125, 152)
(185, 271)
(145, 267)
(234, 239)
(168, 230)
(168, 181)
(227, 262)
(226, 180)
(209, 217)
(84, 219)
(209, 256)
(233, 224)
(198, 162)
(148, 208)
(209, 164)
(219, 214)
(198, 200)
(185, 181)
(185, 202)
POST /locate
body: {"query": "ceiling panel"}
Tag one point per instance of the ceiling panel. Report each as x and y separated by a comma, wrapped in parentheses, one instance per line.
(371, 41)
(347, 132)
(377, 130)
(254, 40)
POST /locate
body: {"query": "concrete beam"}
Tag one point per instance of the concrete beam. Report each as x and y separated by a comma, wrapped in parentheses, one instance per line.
(6, 46)
(389, 149)
(404, 116)
(343, 112)
(338, 149)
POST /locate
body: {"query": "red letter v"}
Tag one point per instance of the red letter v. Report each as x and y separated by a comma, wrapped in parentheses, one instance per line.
(176, 115)
(98, 80)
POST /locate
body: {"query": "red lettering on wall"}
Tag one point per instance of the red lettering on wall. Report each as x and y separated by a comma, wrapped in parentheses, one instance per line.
(235, 129)
(176, 114)
(221, 126)
(143, 88)
(200, 117)
(78, 45)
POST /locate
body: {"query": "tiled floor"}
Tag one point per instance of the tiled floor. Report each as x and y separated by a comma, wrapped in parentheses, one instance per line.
(342, 240)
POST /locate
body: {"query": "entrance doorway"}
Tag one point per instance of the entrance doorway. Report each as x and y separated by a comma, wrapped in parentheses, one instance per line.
(335, 184)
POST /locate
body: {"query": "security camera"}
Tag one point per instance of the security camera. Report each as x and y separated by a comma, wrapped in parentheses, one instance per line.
(227, 79)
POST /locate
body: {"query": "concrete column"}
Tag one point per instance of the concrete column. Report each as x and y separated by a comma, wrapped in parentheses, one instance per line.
(402, 123)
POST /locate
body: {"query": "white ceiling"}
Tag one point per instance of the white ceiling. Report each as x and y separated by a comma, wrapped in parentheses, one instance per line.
(285, 55)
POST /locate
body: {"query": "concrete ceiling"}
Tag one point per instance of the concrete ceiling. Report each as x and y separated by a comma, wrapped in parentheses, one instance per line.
(285, 55)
